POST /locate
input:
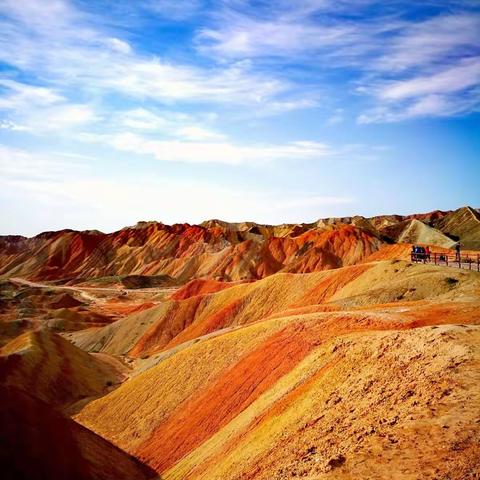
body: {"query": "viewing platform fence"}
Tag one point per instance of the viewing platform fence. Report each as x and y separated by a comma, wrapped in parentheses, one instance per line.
(468, 261)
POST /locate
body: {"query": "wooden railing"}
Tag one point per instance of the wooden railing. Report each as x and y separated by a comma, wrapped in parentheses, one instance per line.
(467, 261)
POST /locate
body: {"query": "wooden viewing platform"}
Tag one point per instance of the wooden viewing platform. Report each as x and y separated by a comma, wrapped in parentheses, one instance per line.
(468, 261)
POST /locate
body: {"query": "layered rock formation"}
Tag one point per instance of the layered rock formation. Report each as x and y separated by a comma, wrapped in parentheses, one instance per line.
(241, 351)
(226, 251)
(38, 442)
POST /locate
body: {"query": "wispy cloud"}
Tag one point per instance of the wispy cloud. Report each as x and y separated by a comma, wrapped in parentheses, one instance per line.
(458, 77)
(66, 49)
(40, 110)
(21, 165)
(243, 36)
(76, 198)
(336, 118)
(448, 91)
(423, 107)
(16, 95)
(390, 55)
(393, 56)
(434, 41)
(178, 10)
(203, 147)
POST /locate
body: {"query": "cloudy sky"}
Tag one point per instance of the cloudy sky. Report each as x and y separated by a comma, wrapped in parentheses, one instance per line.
(274, 111)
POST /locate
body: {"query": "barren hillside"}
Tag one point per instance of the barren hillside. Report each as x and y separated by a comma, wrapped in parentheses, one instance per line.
(242, 351)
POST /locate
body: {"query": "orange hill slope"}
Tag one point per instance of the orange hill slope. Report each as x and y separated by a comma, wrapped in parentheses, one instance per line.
(178, 321)
(201, 287)
(52, 369)
(319, 395)
(226, 251)
(183, 252)
(38, 443)
(24, 308)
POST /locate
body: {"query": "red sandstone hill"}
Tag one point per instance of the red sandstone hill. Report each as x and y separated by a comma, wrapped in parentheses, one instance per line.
(225, 251)
(241, 351)
(185, 317)
(38, 443)
(51, 369)
(183, 252)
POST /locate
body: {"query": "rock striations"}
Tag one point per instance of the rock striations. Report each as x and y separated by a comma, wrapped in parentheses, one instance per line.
(239, 351)
(226, 251)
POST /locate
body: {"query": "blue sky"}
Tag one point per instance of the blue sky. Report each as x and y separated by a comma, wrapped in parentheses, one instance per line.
(272, 111)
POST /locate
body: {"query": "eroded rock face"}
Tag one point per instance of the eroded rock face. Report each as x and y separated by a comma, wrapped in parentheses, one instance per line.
(321, 375)
(226, 252)
(191, 316)
(180, 253)
(37, 442)
(463, 225)
(50, 368)
(239, 351)
(275, 401)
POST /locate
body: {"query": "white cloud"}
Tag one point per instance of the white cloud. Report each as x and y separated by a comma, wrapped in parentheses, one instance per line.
(199, 133)
(12, 126)
(240, 36)
(213, 151)
(57, 118)
(437, 67)
(422, 107)
(41, 16)
(431, 41)
(21, 165)
(39, 109)
(174, 10)
(119, 45)
(20, 95)
(460, 76)
(162, 81)
(170, 124)
(59, 194)
(447, 92)
(142, 119)
(65, 117)
(395, 58)
(64, 49)
(392, 57)
(336, 118)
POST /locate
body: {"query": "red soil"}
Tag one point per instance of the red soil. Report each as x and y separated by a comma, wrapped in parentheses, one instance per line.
(180, 315)
(182, 251)
(196, 420)
(44, 444)
(201, 287)
(325, 289)
(201, 416)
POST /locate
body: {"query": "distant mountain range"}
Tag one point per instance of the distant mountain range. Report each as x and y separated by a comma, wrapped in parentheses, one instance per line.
(227, 351)
(228, 251)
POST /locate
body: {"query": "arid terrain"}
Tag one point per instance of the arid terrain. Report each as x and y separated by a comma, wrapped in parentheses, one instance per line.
(227, 351)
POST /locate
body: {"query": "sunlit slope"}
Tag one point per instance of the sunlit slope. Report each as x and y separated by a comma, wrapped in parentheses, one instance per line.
(415, 231)
(182, 252)
(178, 321)
(464, 225)
(309, 393)
(200, 287)
(226, 251)
(52, 369)
(382, 405)
(38, 443)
